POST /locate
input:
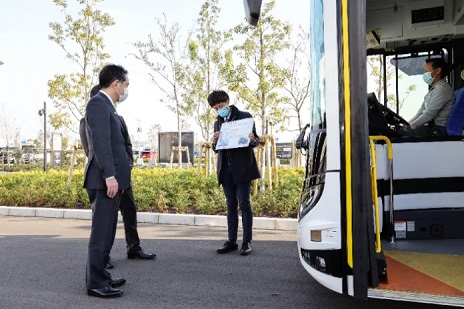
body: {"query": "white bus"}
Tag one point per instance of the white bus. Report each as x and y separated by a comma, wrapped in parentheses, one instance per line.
(407, 242)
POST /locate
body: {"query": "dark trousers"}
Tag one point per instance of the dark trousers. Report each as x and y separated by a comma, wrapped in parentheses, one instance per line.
(129, 217)
(237, 195)
(104, 220)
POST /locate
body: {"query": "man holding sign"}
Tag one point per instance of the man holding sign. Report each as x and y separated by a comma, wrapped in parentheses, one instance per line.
(234, 139)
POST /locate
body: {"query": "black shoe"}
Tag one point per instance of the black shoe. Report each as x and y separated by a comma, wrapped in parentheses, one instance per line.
(246, 248)
(109, 264)
(141, 255)
(104, 292)
(114, 283)
(228, 247)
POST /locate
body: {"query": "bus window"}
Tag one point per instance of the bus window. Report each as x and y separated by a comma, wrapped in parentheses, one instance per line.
(317, 49)
(402, 79)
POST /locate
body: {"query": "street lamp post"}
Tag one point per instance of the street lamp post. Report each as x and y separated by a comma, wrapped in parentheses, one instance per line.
(43, 112)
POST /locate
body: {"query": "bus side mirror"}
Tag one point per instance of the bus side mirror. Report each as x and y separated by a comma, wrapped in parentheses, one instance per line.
(301, 142)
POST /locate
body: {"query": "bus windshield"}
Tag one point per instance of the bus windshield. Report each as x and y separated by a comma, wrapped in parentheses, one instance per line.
(402, 79)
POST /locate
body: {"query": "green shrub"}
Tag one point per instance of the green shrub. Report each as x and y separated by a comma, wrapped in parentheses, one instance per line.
(155, 189)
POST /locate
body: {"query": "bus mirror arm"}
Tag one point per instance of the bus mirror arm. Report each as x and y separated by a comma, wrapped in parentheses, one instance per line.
(301, 142)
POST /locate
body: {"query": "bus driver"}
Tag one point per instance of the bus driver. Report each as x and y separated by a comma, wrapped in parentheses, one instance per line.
(433, 114)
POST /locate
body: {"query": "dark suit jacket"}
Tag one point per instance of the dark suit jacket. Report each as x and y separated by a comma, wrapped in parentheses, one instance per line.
(107, 151)
(242, 161)
(85, 145)
(125, 133)
(83, 136)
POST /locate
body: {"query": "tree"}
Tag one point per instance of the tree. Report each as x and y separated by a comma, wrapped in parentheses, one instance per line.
(167, 72)
(376, 64)
(70, 92)
(153, 136)
(258, 67)
(298, 81)
(8, 131)
(203, 76)
(38, 142)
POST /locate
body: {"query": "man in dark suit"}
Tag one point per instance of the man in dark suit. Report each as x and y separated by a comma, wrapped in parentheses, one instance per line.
(107, 174)
(127, 204)
(129, 212)
(236, 168)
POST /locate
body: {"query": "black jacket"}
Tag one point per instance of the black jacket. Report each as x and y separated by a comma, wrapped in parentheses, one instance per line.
(107, 146)
(83, 136)
(242, 161)
(125, 132)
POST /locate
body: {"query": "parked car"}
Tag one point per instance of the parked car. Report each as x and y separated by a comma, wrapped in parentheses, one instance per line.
(135, 154)
(147, 154)
(29, 158)
(7, 157)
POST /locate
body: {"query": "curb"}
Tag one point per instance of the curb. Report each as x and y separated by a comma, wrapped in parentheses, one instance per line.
(262, 223)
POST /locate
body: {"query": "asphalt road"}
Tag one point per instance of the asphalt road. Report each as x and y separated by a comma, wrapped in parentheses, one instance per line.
(42, 265)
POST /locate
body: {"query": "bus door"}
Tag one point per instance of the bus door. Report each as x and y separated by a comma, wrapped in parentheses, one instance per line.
(335, 239)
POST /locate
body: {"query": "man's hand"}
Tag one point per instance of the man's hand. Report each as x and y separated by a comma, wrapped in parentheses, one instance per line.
(112, 187)
(216, 136)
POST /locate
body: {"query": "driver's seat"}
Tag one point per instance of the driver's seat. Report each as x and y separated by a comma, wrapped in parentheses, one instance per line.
(455, 123)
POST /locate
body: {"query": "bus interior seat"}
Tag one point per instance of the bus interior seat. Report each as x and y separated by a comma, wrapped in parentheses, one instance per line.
(455, 123)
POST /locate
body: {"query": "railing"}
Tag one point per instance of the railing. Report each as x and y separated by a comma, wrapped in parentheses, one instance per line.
(374, 187)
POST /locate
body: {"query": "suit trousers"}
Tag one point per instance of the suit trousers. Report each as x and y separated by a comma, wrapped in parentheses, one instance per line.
(104, 221)
(237, 195)
(129, 216)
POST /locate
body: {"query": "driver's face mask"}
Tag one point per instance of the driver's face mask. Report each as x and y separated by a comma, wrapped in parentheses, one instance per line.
(427, 77)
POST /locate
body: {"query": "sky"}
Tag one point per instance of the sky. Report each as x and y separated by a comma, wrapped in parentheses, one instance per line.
(30, 59)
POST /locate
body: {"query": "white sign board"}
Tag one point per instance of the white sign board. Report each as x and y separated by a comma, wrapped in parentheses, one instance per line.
(234, 134)
(56, 141)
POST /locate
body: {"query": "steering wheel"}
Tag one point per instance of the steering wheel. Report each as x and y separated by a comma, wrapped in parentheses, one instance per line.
(392, 118)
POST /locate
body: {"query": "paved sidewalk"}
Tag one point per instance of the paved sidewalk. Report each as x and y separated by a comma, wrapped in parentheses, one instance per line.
(149, 217)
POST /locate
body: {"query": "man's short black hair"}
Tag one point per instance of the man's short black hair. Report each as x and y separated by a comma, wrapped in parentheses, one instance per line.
(110, 73)
(217, 96)
(439, 63)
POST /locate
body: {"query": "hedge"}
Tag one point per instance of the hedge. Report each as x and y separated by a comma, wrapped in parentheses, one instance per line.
(162, 190)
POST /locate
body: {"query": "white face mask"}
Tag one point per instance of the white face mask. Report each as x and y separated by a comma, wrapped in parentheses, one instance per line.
(123, 96)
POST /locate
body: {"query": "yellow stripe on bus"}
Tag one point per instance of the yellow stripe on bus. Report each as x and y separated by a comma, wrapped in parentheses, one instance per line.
(347, 98)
